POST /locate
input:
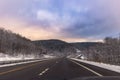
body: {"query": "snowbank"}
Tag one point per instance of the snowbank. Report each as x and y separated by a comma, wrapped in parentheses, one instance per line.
(8, 60)
(5, 57)
(102, 65)
(48, 56)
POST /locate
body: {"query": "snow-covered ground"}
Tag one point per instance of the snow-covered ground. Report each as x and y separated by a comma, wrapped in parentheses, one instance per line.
(102, 65)
(48, 56)
(5, 57)
(7, 60)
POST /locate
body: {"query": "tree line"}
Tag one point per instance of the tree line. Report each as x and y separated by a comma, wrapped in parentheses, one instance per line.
(106, 52)
(56, 47)
(14, 44)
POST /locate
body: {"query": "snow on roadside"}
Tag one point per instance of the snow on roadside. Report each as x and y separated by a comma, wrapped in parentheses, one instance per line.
(22, 59)
(5, 57)
(48, 56)
(102, 65)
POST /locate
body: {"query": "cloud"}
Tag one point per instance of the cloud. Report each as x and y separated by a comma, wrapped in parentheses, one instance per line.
(44, 15)
(62, 19)
(31, 32)
(113, 6)
(100, 20)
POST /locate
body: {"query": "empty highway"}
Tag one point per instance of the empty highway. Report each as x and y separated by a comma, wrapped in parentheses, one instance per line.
(53, 69)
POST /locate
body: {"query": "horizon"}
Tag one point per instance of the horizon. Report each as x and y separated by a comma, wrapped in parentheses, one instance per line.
(51, 38)
(76, 21)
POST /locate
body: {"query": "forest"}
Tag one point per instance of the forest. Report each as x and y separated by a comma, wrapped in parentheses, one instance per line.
(106, 52)
(15, 44)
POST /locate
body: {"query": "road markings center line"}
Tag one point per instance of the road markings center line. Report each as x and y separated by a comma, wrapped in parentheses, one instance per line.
(43, 72)
(98, 74)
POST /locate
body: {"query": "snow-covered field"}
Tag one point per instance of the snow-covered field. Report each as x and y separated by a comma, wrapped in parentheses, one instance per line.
(102, 65)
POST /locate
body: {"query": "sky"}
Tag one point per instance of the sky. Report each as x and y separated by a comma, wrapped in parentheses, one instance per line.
(69, 20)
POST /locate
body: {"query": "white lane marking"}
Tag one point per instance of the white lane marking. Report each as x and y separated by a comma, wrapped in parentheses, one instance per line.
(98, 74)
(20, 63)
(43, 72)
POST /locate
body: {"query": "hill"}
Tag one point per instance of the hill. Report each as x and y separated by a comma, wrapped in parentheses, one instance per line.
(85, 45)
(57, 47)
(15, 44)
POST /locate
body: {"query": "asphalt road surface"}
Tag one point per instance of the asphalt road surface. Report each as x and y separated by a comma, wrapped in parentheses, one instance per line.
(53, 69)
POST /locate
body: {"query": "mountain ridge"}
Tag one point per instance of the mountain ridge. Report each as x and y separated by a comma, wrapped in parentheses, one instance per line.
(54, 46)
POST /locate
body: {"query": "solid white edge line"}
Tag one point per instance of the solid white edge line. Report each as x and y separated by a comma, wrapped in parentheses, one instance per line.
(98, 74)
(14, 64)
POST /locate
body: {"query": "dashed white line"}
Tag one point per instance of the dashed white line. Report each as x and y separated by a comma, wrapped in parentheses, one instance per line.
(43, 72)
(98, 74)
